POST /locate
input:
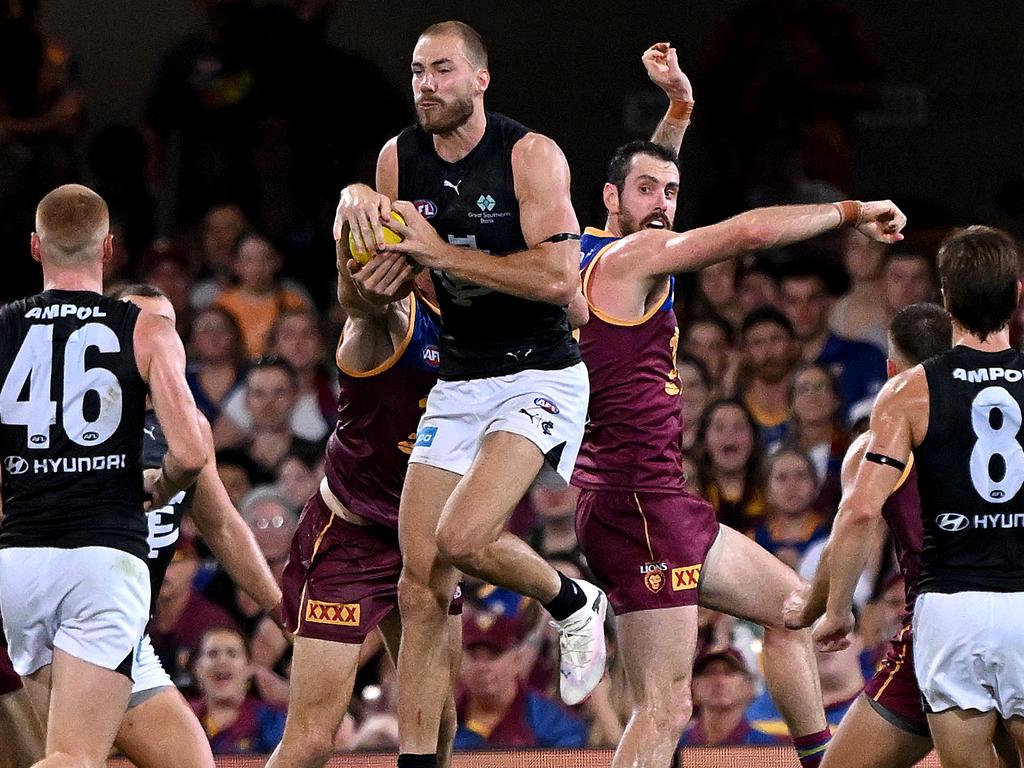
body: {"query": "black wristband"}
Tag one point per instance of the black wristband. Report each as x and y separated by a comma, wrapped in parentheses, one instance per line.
(561, 237)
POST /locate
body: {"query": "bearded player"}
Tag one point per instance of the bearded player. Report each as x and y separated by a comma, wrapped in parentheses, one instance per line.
(634, 520)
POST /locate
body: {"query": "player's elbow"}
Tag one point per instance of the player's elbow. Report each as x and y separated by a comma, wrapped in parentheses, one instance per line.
(191, 460)
(755, 234)
(563, 290)
(857, 514)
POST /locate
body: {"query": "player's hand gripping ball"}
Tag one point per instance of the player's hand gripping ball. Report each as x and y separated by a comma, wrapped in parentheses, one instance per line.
(360, 256)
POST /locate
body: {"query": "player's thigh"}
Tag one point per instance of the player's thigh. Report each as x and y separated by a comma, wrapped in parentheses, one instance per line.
(163, 732)
(865, 739)
(501, 474)
(657, 648)
(20, 732)
(87, 704)
(743, 579)
(323, 675)
(37, 687)
(427, 489)
(963, 738)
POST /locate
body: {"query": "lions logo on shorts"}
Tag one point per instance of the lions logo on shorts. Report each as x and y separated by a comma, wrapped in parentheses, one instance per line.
(654, 575)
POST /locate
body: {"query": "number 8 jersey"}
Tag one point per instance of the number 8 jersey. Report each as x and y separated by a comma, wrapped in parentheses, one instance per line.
(970, 473)
(72, 405)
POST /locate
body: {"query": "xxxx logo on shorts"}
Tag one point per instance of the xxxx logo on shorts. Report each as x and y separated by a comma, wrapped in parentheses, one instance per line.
(340, 614)
(686, 577)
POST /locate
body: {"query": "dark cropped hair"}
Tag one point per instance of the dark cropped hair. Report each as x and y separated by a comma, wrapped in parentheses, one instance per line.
(767, 314)
(472, 43)
(920, 331)
(979, 268)
(618, 166)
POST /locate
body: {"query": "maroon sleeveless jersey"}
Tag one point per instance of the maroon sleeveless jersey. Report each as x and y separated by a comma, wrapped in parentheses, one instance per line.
(632, 440)
(378, 412)
(902, 512)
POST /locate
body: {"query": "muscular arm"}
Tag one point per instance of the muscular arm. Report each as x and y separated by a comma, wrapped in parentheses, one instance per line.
(899, 404)
(227, 535)
(544, 271)
(160, 357)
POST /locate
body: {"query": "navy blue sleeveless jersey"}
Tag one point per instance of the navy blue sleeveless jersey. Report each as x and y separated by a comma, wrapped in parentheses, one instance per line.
(472, 203)
(72, 403)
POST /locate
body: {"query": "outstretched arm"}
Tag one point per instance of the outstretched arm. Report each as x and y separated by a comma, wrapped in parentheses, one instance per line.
(860, 510)
(651, 254)
(662, 64)
(229, 538)
(548, 269)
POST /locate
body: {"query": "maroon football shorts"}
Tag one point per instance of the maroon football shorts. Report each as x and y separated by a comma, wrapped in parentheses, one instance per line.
(647, 549)
(893, 692)
(341, 579)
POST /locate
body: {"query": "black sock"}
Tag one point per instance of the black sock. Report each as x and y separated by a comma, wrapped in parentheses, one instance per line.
(570, 598)
(417, 761)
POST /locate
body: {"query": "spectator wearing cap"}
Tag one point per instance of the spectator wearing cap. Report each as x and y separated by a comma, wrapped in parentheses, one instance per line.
(183, 614)
(723, 688)
(768, 353)
(859, 367)
(494, 708)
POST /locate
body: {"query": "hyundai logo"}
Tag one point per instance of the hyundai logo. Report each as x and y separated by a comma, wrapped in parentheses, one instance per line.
(951, 521)
(15, 465)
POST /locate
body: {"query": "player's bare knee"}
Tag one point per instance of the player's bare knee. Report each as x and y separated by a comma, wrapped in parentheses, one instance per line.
(311, 744)
(458, 544)
(420, 602)
(668, 714)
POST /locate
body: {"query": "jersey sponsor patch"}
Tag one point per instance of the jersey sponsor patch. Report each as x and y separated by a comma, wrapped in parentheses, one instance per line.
(654, 575)
(425, 437)
(339, 614)
(686, 577)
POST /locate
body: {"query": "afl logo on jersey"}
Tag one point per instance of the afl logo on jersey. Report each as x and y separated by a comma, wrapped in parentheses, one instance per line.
(427, 208)
(547, 405)
(15, 465)
(431, 356)
(951, 521)
(90, 436)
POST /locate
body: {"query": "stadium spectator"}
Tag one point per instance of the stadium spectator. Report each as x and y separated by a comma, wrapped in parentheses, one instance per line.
(908, 278)
(729, 464)
(260, 297)
(768, 354)
(183, 615)
(495, 709)
(791, 524)
(298, 478)
(723, 688)
(295, 338)
(857, 315)
(694, 393)
(859, 367)
(755, 288)
(817, 430)
(218, 362)
(223, 224)
(236, 721)
(270, 393)
(710, 340)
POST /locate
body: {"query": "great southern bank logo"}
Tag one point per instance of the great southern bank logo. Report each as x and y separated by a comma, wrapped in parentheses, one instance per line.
(485, 203)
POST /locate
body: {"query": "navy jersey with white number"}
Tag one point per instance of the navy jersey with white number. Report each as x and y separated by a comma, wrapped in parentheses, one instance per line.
(164, 524)
(473, 203)
(970, 469)
(71, 414)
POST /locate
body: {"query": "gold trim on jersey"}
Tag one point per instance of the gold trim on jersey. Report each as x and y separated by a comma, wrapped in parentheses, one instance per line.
(647, 533)
(395, 356)
(305, 583)
(611, 319)
(905, 475)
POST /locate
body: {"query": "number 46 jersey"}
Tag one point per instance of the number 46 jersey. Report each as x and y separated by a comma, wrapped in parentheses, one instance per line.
(72, 404)
(970, 469)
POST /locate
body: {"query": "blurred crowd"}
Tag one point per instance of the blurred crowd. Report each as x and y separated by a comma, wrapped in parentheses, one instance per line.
(223, 197)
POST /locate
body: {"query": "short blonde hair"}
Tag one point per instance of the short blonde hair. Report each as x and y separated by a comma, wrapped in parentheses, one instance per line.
(72, 221)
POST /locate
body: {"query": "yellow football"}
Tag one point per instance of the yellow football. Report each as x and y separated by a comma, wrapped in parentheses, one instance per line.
(390, 236)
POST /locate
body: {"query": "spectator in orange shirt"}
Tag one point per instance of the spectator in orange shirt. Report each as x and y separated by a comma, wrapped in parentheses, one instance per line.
(259, 297)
